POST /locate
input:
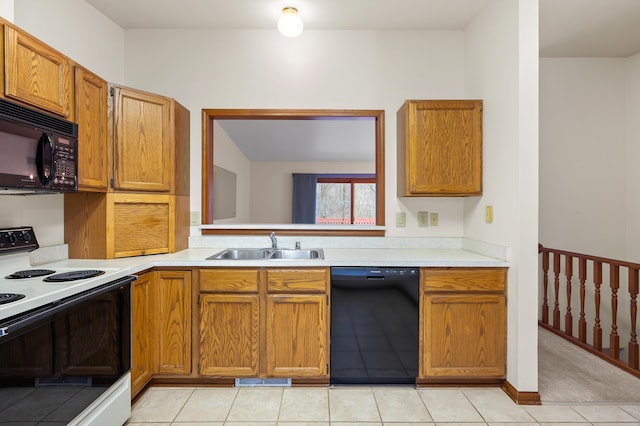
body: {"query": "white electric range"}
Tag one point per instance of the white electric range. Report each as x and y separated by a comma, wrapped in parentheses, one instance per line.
(24, 287)
(65, 338)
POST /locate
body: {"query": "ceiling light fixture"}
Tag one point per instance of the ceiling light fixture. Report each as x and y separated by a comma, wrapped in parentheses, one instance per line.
(290, 24)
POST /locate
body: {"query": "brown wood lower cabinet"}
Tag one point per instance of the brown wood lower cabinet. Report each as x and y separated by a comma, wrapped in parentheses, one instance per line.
(229, 333)
(274, 323)
(160, 326)
(142, 336)
(267, 323)
(297, 325)
(463, 331)
(173, 317)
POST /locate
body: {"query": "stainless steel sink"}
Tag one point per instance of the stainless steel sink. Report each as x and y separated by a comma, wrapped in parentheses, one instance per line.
(267, 253)
(297, 254)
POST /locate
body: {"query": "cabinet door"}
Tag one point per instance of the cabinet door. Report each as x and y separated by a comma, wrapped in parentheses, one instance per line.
(173, 321)
(440, 148)
(297, 338)
(463, 336)
(229, 335)
(143, 151)
(142, 224)
(35, 73)
(91, 116)
(142, 339)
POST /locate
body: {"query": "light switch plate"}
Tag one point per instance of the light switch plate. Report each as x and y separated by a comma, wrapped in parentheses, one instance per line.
(488, 214)
(433, 219)
(401, 219)
(423, 219)
(194, 218)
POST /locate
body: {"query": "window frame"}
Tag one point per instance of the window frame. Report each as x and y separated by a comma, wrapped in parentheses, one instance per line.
(208, 117)
(352, 180)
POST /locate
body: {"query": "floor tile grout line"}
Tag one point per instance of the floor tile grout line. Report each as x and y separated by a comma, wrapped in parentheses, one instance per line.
(425, 405)
(235, 397)
(282, 389)
(631, 414)
(474, 406)
(377, 406)
(183, 405)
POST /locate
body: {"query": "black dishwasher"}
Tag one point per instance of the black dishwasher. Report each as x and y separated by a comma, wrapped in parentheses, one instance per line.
(374, 325)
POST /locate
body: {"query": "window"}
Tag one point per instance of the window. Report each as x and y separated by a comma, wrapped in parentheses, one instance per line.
(346, 200)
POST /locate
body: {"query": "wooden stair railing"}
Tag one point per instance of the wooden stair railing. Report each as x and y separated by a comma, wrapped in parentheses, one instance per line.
(589, 281)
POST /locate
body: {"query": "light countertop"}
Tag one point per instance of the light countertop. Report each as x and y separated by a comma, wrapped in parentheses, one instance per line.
(39, 293)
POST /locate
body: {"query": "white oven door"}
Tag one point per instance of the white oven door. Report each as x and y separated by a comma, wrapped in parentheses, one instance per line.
(112, 408)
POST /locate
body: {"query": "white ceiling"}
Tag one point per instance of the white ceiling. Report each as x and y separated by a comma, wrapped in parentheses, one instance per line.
(337, 140)
(568, 28)
(587, 28)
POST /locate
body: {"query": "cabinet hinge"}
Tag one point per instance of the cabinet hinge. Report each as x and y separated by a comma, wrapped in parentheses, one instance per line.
(327, 369)
(112, 91)
(199, 296)
(327, 299)
(111, 183)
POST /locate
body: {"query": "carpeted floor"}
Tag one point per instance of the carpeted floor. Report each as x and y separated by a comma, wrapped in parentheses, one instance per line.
(567, 373)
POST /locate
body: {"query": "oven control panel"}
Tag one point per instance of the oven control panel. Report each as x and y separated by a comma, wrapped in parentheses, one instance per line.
(14, 240)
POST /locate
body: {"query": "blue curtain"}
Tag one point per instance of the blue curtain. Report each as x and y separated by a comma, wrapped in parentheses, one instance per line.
(304, 198)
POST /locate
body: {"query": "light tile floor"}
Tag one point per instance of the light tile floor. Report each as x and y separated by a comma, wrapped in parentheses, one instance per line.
(361, 406)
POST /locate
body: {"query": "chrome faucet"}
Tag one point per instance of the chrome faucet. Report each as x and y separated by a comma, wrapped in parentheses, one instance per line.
(274, 241)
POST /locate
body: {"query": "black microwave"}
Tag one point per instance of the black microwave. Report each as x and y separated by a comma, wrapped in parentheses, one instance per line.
(38, 151)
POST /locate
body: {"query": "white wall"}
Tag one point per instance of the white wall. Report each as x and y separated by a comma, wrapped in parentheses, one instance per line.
(227, 155)
(632, 113)
(7, 9)
(492, 60)
(88, 37)
(501, 68)
(78, 30)
(589, 178)
(583, 155)
(320, 69)
(272, 186)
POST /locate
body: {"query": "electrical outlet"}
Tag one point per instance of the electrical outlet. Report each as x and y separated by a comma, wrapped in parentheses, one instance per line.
(488, 214)
(194, 218)
(423, 219)
(433, 219)
(401, 219)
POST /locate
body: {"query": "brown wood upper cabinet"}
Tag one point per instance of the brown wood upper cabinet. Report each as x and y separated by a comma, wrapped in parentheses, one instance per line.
(463, 324)
(35, 73)
(91, 116)
(440, 148)
(150, 143)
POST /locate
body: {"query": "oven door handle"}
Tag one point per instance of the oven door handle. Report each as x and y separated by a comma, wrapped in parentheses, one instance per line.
(21, 321)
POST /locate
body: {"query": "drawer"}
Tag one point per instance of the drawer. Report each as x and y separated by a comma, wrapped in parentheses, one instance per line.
(463, 279)
(142, 224)
(297, 280)
(232, 280)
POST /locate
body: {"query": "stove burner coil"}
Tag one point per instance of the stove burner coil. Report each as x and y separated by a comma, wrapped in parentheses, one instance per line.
(30, 273)
(73, 275)
(10, 297)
